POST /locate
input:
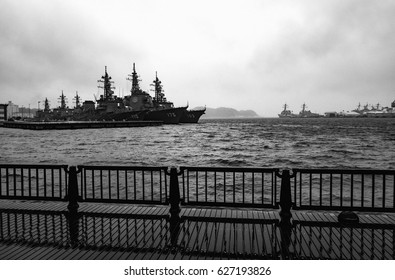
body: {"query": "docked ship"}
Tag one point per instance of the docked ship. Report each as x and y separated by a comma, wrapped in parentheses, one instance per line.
(157, 108)
(375, 111)
(139, 105)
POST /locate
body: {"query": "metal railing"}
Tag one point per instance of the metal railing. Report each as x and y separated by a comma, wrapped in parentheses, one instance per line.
(246, 187)
(33, 182)
(355, 190)
(123, 184)
(314, 189)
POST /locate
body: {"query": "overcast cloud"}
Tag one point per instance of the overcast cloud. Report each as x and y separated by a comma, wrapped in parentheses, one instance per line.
(242, 54)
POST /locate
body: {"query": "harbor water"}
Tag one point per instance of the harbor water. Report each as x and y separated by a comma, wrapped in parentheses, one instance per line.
(366, 143)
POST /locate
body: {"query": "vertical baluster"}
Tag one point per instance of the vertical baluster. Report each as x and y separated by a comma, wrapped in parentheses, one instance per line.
(134, 184)
(362, 189)
(215, 186)
(53, 182)
(82, 182)
(341, 189)
(300, 188)
(93, 184)
(161, 185)
(224, 186)
(352, 190)
(253, 188)
(109, 183)
(263, 191)
(183, 185)
(143, 179)
(188, 185)
(205, 176)
(384, 187)
(14, 176)
(373, 190)
(45, 182)
(311, 188)
(330, 188)
(37, 183)
(22, 186)
(320, 189)
(196, 185)
(30, 181)
(60, 182)
(243, 187)
(126, 184)
(295, 187)
(101, 184)
(1, 182)
(393, 193)
(152, 185)
(234, 187)
(117, 184)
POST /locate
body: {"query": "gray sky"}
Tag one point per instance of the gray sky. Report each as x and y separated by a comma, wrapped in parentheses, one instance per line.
(243, 54)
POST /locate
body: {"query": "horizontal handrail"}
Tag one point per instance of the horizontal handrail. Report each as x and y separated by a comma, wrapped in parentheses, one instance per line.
(315, 189)
(342, 171)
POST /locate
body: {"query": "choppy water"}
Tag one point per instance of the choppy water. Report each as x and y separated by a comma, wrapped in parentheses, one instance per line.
(282, 143)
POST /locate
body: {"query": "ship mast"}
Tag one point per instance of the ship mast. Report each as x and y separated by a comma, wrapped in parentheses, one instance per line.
(303, 107)
(134, 78)
(77, 100)
(158, 88)
(62, 101)
(46, 105)
(108, 88)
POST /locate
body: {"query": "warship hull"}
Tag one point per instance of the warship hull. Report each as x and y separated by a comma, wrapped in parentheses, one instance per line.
(167, 116)
(191, 116)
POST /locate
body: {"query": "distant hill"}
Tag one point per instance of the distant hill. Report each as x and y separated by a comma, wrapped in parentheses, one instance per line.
(228, 113)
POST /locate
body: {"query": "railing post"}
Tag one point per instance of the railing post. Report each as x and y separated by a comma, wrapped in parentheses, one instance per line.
(285, 194)
(72, 194)
(285, 212)
(174, 201)
(174, 195)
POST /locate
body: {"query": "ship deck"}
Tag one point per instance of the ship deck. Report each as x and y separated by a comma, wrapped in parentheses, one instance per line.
(44, 230)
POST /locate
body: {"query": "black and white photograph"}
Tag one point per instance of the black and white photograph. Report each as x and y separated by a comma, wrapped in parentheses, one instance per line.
(247, 135)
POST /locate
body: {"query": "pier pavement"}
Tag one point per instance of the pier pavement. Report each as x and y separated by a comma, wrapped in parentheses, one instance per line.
(45, 230)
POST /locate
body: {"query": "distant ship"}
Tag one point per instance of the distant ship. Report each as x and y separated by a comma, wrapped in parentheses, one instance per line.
(286, 113)
(307, 114)
(302, 114)
(376, 111)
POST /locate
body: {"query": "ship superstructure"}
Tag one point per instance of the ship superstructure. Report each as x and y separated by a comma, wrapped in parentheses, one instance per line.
(286, 113)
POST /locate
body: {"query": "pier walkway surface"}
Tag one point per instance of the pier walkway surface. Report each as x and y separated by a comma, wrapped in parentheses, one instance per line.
(125, 212)
(43, 230)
